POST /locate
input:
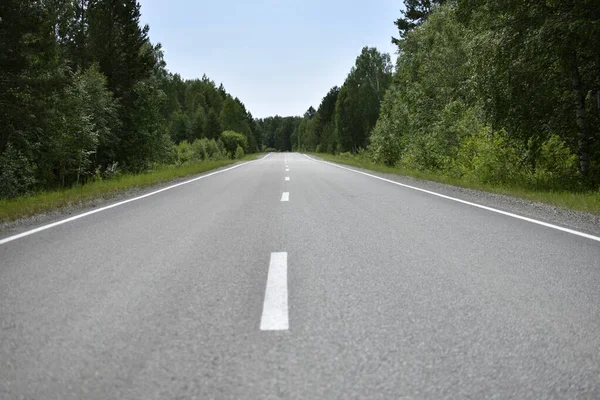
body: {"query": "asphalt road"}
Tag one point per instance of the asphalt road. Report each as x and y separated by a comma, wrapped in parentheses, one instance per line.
(353, 288)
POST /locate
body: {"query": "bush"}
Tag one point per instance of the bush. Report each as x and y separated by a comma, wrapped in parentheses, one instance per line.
(556, 166)
(221, 152)
(212, 151)
(490, 158)
(111, 171)
(239, 153)
(199, 149)
(184, 152)
(386, 144)
(231, 141)
(16, 173)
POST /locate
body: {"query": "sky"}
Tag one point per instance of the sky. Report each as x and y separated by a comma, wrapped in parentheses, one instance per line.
(279, 57)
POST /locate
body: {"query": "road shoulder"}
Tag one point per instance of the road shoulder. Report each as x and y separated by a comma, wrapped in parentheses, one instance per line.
(576, 220)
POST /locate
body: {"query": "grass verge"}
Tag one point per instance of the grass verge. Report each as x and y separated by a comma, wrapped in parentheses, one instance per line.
(42, 202)
(578, 201)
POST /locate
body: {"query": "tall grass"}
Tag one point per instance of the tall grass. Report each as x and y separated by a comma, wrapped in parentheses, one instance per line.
(42, 202)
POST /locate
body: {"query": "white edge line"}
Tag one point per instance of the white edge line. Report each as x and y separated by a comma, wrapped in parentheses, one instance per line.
(275, 307)
(533, 221)
(120, 203)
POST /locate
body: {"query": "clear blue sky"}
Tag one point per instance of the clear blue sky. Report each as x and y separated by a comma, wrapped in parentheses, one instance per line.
(277, 56)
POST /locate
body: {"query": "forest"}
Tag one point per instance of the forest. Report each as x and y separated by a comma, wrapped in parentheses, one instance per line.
(501, 92)
(85, 96)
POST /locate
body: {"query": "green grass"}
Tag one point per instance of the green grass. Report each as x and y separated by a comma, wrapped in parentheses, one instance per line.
(578, 201)
(21, 207)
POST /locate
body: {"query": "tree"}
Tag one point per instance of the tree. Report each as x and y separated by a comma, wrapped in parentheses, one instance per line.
(347, 124)
(233, 117)
(358, 103)
(414, 14)
(212, 126)
(120, 46)
(33, 78)
(325, 122)
(98, 110)
(541, 53)
(310, 113)
(430, 95)
(197, 124)
(85, 94)
(179, 127)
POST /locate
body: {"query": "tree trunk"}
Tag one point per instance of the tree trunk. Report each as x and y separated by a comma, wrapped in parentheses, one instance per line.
(580, 115)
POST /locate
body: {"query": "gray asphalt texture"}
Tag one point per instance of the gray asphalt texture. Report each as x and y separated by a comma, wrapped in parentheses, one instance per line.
(393, 294)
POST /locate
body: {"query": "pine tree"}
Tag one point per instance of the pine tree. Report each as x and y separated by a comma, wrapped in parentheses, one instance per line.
(415, 13)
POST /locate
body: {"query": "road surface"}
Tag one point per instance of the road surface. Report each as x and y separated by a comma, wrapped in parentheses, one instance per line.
(328, 285)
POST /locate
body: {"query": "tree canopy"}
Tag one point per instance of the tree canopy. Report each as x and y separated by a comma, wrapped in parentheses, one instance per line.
(84, 95)
(498, 91)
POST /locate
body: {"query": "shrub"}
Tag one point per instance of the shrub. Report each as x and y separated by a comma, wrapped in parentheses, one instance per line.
(212, 151)
(221, 152)
(386, 144)
(184, 152)
(239, 153)
(16, 173)
(199, 149)
(490, 158)
(556, 166)
(231, 141)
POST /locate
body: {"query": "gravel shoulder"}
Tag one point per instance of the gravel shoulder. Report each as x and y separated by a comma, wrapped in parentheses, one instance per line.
(576, 220)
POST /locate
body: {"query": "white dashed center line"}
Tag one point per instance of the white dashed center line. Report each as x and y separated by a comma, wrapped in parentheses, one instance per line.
(275, 308)
(285, 196)
(287, 178)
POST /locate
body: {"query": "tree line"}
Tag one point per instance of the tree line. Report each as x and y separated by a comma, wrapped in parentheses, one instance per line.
(85, 95)
(344, 119)
(491, 91)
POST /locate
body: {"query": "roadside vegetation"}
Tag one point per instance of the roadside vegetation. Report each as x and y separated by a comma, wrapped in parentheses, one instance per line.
(494, 94)
(587, 201)
(491, 94)
(26, 206)
(88, 108)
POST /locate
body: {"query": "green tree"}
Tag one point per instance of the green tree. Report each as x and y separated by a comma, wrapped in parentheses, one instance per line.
(325, 122)
(431, 92)
(121, 47)
(212, 126)
(359, 100)
(233, 117)
(543, 54)
(415, 13)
